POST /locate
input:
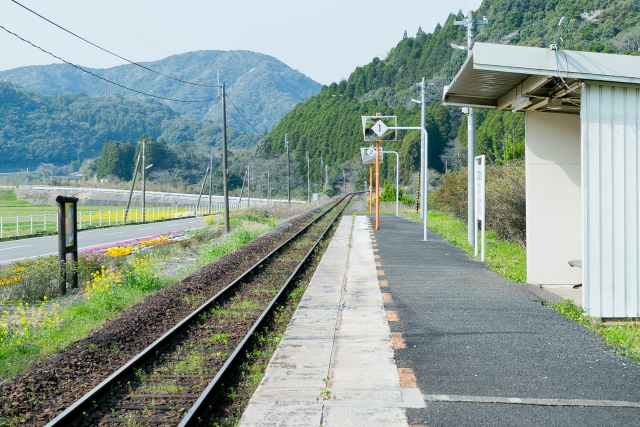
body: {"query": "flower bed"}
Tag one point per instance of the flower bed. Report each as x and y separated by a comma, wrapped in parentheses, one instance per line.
(130, 247)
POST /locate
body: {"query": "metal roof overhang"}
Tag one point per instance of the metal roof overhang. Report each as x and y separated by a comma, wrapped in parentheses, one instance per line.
(517, 78)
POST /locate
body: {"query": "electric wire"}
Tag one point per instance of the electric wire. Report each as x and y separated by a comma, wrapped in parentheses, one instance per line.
(239, 125)
(108, 51)
(121, 27)
(558, 45)
(105, 79)
(240, 112)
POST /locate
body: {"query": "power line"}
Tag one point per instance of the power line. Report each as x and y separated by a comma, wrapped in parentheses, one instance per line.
(239, 125)
(121, 27)
(102, 78)
(108, 51)
(240, 112)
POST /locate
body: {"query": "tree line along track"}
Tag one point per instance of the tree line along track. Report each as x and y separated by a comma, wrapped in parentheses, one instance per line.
(174, 380)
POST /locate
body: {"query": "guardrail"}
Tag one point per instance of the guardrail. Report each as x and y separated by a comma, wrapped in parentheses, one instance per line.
(24, 225)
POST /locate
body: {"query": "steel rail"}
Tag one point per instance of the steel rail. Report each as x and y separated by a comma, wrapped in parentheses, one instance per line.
(200, 408)
(76, 410)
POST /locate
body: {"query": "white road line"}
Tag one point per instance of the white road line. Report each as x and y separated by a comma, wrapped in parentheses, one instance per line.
(109, 234)
(15, 247)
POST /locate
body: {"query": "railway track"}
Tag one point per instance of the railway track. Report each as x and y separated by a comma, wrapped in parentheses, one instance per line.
(176, 379)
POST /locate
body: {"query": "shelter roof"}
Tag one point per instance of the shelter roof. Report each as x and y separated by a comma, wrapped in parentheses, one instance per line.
(517, 78)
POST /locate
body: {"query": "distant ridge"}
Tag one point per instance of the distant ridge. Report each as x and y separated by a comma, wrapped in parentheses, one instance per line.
(263, 88)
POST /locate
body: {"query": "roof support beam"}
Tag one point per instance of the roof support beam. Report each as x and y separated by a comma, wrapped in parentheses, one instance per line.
(523, 89)
(470, 101)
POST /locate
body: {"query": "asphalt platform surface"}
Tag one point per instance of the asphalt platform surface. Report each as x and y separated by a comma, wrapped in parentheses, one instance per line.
(474, 338)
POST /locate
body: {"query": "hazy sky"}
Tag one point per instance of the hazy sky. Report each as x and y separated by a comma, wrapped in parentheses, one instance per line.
(324, 39)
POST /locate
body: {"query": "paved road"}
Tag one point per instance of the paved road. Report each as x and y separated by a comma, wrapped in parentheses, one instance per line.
(488, 345)
(15, 250)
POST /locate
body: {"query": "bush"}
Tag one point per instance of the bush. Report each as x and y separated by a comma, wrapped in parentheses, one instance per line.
(389, 195)
(505, 199)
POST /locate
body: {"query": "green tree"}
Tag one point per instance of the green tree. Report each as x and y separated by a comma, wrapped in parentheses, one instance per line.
(116, 159)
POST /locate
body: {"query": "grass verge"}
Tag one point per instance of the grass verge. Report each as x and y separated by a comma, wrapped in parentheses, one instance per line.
(624, 338)
(505, 258)
(76, 320)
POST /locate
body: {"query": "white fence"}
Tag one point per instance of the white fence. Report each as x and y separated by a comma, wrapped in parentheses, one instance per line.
(23, 225)
(188, 198)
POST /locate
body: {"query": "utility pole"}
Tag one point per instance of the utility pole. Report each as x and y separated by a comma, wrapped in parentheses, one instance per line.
(308, 179)
(204, 180)
(248, 188)
(326, 177)
(210, 181)
(225, 172)
(470, 24)
(423, 148)
(144, 175)
(344, 181)
(268, 188)
(286, 144)
(133, 183)
(321, 168)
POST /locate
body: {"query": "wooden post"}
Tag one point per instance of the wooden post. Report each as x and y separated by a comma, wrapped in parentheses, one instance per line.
(67, 240)
(62, 253)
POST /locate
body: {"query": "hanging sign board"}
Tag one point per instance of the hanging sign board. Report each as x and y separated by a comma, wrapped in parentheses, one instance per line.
(380, 128)
(479, 180)
(369, 155)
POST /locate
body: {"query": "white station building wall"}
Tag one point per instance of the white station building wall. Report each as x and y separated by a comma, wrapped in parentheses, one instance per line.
(553, 185)
(611, 162)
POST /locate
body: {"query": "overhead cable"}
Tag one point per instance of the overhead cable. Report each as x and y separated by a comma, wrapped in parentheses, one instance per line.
(121, 27)
(108, 51)
(239, 125)
(104, 79)
(240, 112)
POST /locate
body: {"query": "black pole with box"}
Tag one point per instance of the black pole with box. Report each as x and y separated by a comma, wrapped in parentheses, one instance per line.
(67, 240)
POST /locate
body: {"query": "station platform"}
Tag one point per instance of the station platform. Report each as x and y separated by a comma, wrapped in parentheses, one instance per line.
(335, 365)
(395, 331)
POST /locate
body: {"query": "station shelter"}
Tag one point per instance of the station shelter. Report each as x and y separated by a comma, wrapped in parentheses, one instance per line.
(582, 158)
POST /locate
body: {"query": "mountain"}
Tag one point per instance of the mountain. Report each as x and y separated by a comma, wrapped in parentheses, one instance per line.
(59, 129)
(328, 124)
(262, 87)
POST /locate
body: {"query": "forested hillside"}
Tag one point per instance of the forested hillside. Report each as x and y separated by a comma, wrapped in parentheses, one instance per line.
(262, 87)
(59, 129)
(328, 124)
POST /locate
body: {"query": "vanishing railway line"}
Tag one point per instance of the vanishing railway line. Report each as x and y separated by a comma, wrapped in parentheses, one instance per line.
(175, 380)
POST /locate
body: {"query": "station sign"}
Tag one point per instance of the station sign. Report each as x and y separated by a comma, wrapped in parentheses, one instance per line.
(369, 155)
(380, 128)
